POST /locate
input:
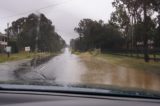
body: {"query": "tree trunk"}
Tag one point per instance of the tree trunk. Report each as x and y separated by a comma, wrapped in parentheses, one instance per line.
(146, 56)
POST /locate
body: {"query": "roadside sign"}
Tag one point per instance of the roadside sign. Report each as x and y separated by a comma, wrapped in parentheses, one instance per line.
(27, 49)
(8, 49)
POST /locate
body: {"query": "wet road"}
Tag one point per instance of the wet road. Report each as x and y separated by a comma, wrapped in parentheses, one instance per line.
(7, 70)
(68, 68)
(65, 68)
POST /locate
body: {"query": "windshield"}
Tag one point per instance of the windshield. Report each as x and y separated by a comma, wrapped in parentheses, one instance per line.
(102, 43)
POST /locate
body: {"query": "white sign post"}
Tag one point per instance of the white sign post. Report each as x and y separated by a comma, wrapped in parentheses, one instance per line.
(27, 49)
(8, 50)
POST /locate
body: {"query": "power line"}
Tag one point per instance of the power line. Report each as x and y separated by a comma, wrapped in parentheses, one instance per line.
(42, 8)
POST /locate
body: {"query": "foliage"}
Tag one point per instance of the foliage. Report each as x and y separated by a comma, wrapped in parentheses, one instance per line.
(35, 31)
(93, 34)
(136, 18)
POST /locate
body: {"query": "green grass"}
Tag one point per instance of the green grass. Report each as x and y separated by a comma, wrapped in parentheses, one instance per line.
(75, 52)
(20, 56)
(142, 55)
(134, 63)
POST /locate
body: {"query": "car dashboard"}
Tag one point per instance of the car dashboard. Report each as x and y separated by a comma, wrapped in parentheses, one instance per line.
(25, 98)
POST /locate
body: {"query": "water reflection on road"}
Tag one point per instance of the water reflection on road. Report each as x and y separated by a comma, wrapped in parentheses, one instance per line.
(68, 68)
(123, 77)
(101, 71)
(65, 68)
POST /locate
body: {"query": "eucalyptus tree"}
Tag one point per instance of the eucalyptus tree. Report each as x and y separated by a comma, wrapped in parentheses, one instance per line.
(24, 30)
(97, 34)
(139, 11)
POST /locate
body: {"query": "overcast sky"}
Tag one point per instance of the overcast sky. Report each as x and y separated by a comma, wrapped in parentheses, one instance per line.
(65, 14)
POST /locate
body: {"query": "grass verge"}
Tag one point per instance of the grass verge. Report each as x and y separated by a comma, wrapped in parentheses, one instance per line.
(128, 62)
(137, 64)
(20, 56)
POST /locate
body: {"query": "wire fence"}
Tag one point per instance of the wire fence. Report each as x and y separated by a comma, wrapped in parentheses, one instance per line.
(154, 54)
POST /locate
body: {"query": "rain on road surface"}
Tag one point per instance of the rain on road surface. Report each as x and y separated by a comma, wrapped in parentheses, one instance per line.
(64, 68)
(68, 68)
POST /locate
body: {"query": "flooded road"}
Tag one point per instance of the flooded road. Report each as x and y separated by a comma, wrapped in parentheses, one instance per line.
(68, 68)
(65, 68)
(101, 71)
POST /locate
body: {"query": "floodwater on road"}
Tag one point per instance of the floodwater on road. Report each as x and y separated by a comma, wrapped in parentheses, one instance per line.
(68, 68)
(102, 71)
(65, 68)
(7, 69)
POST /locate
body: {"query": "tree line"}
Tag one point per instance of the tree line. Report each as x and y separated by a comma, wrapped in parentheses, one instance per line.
(97, 34)
(36, 32)
(133, 22)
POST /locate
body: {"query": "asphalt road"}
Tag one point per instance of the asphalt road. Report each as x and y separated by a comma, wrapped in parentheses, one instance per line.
(65, 68)
(7, 69)
(68, 68)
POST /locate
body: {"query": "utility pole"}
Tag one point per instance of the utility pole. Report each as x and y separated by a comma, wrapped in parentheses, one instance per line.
(37, 38)
(8, 51)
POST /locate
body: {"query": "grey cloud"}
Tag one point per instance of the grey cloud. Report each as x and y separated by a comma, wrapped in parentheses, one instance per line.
(65, 16)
